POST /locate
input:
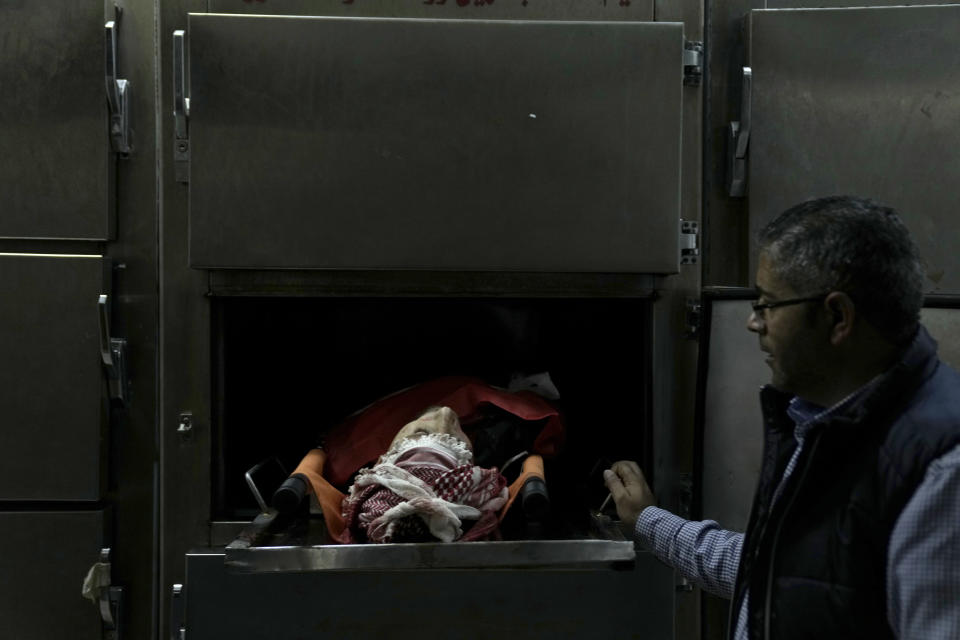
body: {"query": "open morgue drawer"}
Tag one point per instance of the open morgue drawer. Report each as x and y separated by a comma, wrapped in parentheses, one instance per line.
(564, 571)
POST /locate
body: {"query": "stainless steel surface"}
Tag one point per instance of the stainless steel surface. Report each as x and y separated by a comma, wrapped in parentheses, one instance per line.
(450, 9)
(56, 166)
(554, 554)
(837, 4)
(860, 101)
(418, 283)
(473, 605)
(302, 157)
(733, 426)
(944, 326)
(46, 556)
(51, 383)
(184, 346)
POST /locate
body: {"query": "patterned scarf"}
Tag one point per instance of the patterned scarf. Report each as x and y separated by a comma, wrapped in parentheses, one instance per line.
(423, 489)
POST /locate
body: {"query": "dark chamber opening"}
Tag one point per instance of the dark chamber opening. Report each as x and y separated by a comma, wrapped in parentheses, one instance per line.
(288, 369)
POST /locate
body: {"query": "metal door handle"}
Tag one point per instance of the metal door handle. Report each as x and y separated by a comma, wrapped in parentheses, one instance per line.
(181, 103)
(113, 353)
(118, 93)
(739, 140)
(181, 109)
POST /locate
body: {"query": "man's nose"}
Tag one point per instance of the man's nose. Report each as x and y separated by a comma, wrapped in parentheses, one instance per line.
(754, 323)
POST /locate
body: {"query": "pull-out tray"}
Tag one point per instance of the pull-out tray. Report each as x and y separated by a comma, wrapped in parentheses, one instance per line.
(269, 545)
(541, 554)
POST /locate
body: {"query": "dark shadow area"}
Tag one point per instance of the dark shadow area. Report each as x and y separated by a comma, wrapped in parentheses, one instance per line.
(289, 369)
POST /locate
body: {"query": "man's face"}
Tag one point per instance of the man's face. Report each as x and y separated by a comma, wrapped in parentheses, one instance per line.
(436, 420)
(792, 337)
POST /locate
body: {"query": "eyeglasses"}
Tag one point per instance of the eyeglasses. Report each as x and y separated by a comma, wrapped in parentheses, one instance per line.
(759, 308)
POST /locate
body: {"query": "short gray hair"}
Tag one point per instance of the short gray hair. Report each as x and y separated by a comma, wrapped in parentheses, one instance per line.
(854, 245)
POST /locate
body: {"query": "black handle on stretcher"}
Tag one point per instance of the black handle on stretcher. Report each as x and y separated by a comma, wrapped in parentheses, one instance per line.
(287, 498)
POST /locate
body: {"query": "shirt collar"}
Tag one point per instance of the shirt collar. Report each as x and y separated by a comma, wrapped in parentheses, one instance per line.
(806, 414)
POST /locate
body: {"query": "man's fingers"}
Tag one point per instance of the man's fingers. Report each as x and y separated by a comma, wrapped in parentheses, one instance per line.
(614, 484)
(628, 472)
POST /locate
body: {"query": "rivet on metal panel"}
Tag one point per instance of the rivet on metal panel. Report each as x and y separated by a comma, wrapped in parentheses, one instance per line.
(693, 318)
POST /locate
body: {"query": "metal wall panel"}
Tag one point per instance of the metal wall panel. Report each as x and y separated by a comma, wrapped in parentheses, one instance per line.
(861, 101)
(45, 558)
(473, 605)
(56, 168)
(51, 383)
(733, 424)
(410, 144)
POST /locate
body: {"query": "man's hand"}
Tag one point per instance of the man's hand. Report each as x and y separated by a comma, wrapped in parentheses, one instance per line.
(630, 490)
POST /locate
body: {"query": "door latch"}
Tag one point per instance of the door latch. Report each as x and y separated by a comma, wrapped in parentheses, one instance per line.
(181, 109)
(118, 92)
(185, 426)
(738, 139)
(113, 353)
(97, 587)
(177, 629)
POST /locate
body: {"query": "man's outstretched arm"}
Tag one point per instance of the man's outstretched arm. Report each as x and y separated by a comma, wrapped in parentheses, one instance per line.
(701, 551)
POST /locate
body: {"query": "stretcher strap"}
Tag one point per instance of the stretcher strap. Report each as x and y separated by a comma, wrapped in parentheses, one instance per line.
(329, 497)
(532, 468)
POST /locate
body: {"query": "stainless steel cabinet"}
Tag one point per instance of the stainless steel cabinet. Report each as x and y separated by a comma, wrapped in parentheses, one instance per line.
(52, 391)
(45, 557)
(417, 603)
(863, 101)
(56, 165)
(434, 144)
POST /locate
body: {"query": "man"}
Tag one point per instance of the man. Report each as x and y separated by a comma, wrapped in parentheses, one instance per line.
(855, 525)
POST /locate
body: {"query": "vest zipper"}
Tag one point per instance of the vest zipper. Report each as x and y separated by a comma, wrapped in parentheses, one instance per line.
(776, 535)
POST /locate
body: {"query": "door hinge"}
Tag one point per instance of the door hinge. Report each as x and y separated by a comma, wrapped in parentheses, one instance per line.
(692, 63)
(689, 252)
(181, 110)
(177, 629)
(113, 353)
(118, 92)
(97, 588)
(738, 139)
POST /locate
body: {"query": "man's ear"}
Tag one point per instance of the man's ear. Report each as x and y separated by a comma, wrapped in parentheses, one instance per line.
(843, 315)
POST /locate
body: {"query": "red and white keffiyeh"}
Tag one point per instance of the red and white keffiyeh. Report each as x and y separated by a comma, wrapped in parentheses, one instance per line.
(424, 488)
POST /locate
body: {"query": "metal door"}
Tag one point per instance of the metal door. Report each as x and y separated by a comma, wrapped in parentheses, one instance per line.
(52, 395)
(354, 143)
(863, 101)
(56, 165)
(45, 557)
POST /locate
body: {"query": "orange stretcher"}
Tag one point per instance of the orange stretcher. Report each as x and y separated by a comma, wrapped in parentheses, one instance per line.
(330, 498)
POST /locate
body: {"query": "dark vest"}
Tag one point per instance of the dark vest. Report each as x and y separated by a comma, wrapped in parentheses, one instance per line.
(816, 562)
